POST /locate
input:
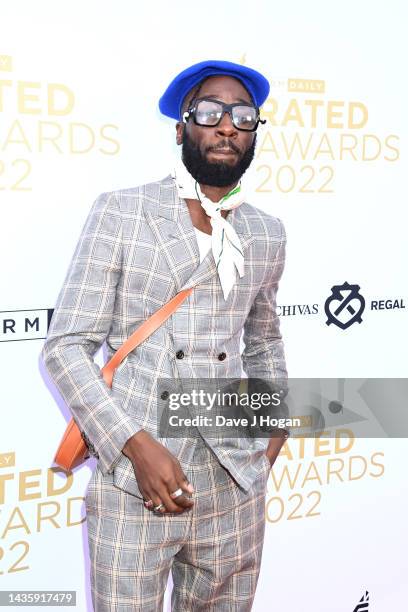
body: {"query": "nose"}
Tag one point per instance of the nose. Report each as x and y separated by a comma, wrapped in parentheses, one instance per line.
(225, 126)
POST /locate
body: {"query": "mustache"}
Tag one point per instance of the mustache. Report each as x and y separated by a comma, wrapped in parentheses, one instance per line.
(225, 144)
(219, 175)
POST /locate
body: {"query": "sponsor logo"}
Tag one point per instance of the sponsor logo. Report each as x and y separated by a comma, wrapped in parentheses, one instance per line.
(297, 309)
(362, 605)
(17, 325)
(345, 305)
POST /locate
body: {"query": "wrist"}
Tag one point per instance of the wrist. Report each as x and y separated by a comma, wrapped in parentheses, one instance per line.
(133, 442)
(279, 432)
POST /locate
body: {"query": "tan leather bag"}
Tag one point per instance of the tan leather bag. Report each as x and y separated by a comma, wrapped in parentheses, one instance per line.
(73, 448)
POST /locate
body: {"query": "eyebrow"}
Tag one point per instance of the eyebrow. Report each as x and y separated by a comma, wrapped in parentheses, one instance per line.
(237, 99)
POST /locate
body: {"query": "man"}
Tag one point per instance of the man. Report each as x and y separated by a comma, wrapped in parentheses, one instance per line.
(194, 504)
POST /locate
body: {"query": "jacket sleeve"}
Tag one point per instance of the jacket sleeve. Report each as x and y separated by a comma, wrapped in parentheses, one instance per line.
(264, 355)
(80, 323)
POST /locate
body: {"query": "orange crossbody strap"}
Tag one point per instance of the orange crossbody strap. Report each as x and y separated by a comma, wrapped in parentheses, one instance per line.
(141, 333)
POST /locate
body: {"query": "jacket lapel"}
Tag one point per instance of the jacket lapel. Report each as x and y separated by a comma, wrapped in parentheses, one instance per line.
(171, 224)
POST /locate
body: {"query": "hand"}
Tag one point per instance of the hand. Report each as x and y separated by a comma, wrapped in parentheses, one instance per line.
(158, 472)
(274, 447)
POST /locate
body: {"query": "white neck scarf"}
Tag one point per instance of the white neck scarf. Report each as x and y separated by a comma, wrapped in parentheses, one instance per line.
(226, 245)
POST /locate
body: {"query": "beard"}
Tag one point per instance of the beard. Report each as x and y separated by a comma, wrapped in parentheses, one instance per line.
(217, 174)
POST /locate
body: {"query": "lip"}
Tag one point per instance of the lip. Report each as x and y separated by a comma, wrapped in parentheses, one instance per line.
(223, 152)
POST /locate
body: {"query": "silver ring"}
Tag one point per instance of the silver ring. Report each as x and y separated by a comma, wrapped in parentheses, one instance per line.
(176, 493)
(159, 506)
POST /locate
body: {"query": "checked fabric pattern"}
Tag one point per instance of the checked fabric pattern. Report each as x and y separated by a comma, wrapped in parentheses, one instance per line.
(213, 551)
(138, 248)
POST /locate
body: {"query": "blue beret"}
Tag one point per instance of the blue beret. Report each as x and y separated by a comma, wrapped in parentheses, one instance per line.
(171, 101)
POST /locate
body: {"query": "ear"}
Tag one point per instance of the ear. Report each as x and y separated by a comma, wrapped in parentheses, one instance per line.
(179, 132)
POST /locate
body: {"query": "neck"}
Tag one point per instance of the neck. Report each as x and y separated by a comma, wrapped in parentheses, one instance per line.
(216, 193)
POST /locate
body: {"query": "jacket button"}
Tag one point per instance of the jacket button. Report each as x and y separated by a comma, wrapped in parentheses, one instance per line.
(180, 354)
(222, 356)
(164, 395)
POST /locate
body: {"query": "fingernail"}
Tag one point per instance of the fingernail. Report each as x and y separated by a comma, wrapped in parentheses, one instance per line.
(190, 487)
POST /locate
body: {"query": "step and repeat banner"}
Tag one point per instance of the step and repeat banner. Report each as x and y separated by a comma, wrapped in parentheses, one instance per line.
(79, 87)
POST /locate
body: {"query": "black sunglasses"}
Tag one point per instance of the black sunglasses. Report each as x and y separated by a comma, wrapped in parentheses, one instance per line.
(208, 113)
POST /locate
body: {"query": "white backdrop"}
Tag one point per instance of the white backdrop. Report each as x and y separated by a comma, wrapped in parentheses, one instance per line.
(79, 85)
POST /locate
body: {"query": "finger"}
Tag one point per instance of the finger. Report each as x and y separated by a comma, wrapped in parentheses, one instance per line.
(148, 503)
(171, 504)
(144, 494)
(147, 500)
(183, 500)
(157, 500)
(182, 480)
(162, 495)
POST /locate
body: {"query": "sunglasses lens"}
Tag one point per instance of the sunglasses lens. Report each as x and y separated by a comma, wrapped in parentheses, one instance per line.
(244, 117)
(208, 113)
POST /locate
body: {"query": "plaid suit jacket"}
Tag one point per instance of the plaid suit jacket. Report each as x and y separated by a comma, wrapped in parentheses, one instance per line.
(138, 248)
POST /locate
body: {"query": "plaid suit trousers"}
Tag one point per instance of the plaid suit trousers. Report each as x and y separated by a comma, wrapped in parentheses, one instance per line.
(213, 550)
